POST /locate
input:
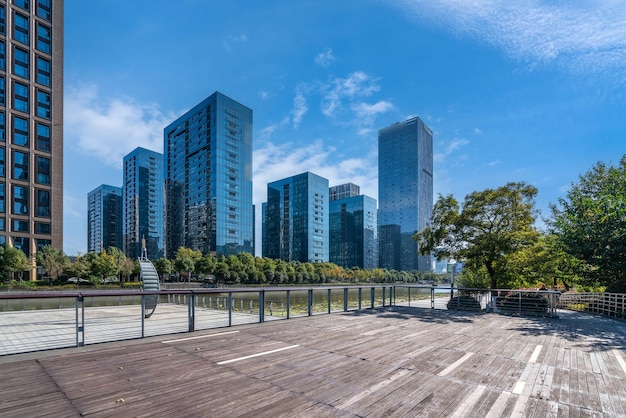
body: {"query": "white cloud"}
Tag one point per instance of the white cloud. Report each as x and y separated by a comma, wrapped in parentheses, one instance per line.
(109, 128)
(324, 58)
(582, 36)
(299, 108)
(448, 148)
(227, 44)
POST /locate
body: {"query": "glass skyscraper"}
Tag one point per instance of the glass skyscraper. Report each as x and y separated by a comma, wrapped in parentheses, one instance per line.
(405, 193)
(31, 124)
(352, 231)
(143, 203)
(208, 180)
(296, 219)
(104, 218)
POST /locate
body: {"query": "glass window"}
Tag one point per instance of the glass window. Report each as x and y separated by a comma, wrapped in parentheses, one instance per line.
(21, 243)
(22, 3)
(21, 62)
(19, 225)
(43, 104)
(43, 71)
(20, 131)
(43, 203)
(2, 56)
(2, 162)
(20, 97)
(20, 28)
(42, 228)
(44, 9)
(44, 38)
(3, 224)
(43, 137)
(20, 200)
(20, 165)
(2, 200)
(43, 170)
(2, 92)
(42, 243)
(2, 127)
(3, 240)
(3, 20)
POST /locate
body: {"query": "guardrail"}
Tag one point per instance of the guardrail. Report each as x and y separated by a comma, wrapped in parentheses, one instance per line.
(34, 321)
(607, 304)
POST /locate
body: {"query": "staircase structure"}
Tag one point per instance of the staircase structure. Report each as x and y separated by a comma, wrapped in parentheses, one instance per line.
(150, 280)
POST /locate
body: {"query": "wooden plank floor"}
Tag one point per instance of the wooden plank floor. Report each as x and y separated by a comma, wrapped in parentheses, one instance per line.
(387, 362)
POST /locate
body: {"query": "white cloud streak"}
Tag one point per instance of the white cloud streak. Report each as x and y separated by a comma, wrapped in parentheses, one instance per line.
(585, 37)
(110, 128)
(324, 58)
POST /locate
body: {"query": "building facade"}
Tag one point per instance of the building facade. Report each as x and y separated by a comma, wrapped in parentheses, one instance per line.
(296, 219)
(104, 218)
(31, 124)
(208, 180)
(143, 204)
(405, 193)
(352, 228)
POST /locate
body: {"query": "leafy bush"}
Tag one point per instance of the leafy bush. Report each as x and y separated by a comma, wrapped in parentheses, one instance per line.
(463, 303)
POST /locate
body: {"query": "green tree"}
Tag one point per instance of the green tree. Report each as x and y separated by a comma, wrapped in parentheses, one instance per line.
(120, 262)
(491, 225)
(590, 223)
(13, 261)
(52, 260)
(163, 267)
(104, 265)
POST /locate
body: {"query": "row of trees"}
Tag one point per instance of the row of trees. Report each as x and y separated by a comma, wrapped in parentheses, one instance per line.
(242, 268)
(494, 233)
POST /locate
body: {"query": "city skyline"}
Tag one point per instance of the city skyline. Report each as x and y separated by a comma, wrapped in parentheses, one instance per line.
(512, 92)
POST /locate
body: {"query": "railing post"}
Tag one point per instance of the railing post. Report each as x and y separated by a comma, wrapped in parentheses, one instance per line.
(80, 321)
(262, 306)
(329, 301)
(360, 296)
(408, 292)
(345, 299)
(384, 295)
(288, 303)
(191, 312)
(143, 315)
(230, 309)
(432, 297)
(310, 302)
(372, 296)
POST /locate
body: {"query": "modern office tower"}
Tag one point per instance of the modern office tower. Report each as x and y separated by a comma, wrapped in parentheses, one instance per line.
(353, 228)
(104, 218)
(143, 203)
(296, 219)
(208, 180)
(405, 193)
(31, 124)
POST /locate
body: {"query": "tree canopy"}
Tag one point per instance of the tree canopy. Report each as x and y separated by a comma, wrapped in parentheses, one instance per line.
(590, 223)
(490, 226)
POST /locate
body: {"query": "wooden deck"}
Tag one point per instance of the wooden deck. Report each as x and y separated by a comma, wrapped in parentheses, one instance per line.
(387, 362)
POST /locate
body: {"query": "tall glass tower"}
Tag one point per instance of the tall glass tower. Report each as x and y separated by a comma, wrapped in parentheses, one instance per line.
(31, 124)
(352, 231)
(296, 219)
(405, 193)
(104, 218)
(208, 178)
(143, 203)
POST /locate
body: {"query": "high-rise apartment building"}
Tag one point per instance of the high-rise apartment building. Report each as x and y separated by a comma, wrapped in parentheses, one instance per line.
(353, 228)
(143, 203)
(31, 124)
(296, 219)
(104, 218)
(208, 180)
(405, 193)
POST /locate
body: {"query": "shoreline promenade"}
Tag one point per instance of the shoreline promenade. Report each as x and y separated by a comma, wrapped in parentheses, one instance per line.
(382, 362)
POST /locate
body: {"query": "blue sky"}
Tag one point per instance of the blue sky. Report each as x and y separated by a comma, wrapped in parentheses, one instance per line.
(524, 90)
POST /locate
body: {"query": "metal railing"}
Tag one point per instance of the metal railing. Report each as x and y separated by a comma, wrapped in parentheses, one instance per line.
(607, 304)
(33, 321)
